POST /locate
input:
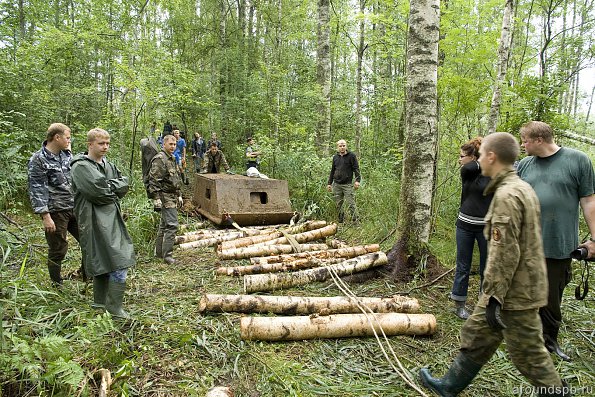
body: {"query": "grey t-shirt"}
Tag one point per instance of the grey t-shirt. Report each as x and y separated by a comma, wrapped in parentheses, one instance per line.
(559, 180)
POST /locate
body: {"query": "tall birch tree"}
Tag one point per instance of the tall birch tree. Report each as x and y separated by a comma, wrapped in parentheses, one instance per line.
(323, 75)
(420, 151)
(503, 53)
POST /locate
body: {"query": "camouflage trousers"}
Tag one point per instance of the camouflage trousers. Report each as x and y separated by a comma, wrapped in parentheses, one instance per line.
(524, 342)
(343, 194)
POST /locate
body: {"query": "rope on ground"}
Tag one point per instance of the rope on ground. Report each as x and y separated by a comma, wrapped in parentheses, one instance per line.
(401, 371)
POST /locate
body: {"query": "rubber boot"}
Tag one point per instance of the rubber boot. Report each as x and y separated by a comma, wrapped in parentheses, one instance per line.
(159, 247)
(114, 299)
(100, 287)
(54, 269)
(168, 249)
(459, 376)
(461, 310)
(551, 344)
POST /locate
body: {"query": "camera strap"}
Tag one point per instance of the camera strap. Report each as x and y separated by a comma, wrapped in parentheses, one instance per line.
(583, 284)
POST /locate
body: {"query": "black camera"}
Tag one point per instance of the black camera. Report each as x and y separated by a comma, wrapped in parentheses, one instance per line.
(580, 254)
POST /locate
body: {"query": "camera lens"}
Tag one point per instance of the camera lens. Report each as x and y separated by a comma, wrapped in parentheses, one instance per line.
(579, 253)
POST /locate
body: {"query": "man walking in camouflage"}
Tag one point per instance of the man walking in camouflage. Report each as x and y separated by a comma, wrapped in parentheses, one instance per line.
(514, 286)
(51, 198)
(164, 189)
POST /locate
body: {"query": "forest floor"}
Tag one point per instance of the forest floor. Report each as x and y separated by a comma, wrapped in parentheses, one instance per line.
(170, 349)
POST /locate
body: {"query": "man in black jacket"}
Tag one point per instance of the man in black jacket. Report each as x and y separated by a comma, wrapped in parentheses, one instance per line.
(340, 180)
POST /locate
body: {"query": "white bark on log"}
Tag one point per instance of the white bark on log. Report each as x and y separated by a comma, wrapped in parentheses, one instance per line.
(335, 326)
(272, 281)
(106, 381)
(347, 252)
(210, 241)
(301, 305)
(297, 264)
(246, 241)
(219, 391)
(305, 237)
(576, 137)
(248, 252)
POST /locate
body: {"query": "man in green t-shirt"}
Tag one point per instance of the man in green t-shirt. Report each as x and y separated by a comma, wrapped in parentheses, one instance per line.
(563, 179)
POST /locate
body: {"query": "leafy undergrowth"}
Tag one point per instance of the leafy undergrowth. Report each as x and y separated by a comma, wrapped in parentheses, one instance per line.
(53, 343)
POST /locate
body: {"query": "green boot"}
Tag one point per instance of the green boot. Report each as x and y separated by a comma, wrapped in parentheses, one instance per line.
(100, 287)
(159, 246)
(459, 375)
(114, 299)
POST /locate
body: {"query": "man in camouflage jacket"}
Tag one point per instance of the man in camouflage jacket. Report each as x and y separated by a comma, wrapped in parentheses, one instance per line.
(164, 189)
(514, 286)
(215, 160)
(51, 197)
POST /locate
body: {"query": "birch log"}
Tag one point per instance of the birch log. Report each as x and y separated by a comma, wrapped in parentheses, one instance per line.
(210, 241)
(335, 326)
(298, 264)
(250, 240)
(272, 281)
(347, 252)
(248, 252)
(292, 305)
(305, 237)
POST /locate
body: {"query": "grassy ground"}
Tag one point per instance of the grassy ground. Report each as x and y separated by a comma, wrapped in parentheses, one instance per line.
(172, 350)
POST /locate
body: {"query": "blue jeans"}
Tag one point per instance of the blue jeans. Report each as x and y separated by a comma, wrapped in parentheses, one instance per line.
(465, 244)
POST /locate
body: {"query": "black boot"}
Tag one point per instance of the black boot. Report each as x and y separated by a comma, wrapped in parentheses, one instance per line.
(54, 269)
(459, 375)
(115, 298)
(551, 344)
(100, 287)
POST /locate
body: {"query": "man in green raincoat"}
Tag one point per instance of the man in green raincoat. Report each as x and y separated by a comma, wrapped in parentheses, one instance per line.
(98, 187)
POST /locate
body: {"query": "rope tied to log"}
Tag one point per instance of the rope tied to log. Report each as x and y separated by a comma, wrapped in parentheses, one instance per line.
(292, 241)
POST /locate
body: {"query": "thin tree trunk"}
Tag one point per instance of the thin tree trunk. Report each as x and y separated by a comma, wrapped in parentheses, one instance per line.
(303, 305)
(271, 235)
(361, 48)
(298, 264)
(323, 76)
(273, 281)
(304, 237)
(335, 326)
(503, 54)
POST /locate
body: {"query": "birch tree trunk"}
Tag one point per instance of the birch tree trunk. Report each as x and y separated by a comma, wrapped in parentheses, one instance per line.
(273, 281)
(298, 264)
(335, 326)
(347, 252)
(361, 48)
(420, 151)
(249, 252)
(271, 235)
(304, 237)
(323, 76)
(503, 54)
(303, 305)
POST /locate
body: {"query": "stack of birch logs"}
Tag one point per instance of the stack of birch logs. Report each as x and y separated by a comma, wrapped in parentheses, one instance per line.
(290, 256)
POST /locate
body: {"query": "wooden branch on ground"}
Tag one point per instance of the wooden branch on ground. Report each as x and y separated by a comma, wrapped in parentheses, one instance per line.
(248, 252)
(106, 381)
(273, 281)
(298, 264)
(304, 237)
(219, 391)
(210, 241)
(576, 137)
(273, 234)
(335, 326)
(292, 305)
(347, 252)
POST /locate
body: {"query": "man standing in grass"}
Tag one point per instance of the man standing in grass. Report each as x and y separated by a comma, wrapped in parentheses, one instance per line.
(164, 188)
(340, 180)
(51, 197)
(98, 187)
(514, 286)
